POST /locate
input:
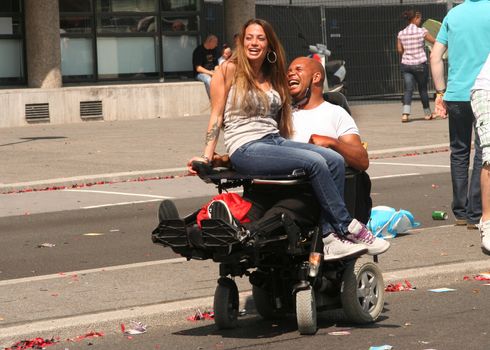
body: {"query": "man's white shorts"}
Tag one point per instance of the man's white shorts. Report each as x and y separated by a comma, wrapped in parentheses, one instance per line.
(480, 103)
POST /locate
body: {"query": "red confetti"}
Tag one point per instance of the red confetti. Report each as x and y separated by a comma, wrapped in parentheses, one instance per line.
(36, 343)
(482, 278)
(88, 335)
(399, 287)
(198, 316)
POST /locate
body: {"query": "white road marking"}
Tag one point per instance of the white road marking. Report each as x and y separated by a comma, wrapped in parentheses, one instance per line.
(395, 175)
(411, 164)
(120, 203)
(422, 229)
(121, 193)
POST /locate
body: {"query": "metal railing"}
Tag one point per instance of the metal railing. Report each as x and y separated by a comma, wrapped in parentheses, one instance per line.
(361, 32)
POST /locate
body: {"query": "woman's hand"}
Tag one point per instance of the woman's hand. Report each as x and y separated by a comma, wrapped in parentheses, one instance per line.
(197, 159)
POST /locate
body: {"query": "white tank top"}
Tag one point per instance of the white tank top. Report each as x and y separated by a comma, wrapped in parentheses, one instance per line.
(240, 128)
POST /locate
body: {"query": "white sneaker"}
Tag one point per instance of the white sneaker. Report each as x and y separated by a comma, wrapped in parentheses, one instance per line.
(358, 233)
(484, 227)
(335, 247)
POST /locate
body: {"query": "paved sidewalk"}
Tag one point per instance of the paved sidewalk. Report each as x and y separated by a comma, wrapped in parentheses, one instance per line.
(41, 156)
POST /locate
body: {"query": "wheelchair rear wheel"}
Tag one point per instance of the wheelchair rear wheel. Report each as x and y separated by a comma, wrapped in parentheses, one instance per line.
(362, 292)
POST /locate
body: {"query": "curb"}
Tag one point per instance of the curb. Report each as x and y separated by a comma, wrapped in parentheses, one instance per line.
(88, 180)
(172, 313)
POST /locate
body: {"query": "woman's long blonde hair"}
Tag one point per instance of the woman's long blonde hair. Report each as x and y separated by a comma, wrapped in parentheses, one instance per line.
(275, 72)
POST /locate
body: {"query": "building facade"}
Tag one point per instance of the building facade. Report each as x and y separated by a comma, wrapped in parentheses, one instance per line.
(65, 61)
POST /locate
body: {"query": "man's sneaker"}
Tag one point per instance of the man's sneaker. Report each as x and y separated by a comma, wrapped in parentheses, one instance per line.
(484, 228)
(358, 233)
(460, 222)
(218, 209)
(335, 247)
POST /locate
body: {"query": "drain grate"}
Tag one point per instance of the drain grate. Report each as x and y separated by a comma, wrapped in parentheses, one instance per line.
(37, 112)
(91, 110)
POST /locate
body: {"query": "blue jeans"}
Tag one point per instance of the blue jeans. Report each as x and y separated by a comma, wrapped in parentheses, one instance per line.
(206, 79)
(466, 200)
(274, 155)
(415, 74)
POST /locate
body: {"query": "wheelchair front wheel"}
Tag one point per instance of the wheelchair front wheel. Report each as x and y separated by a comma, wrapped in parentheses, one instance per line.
(226, 304)
(306, 311)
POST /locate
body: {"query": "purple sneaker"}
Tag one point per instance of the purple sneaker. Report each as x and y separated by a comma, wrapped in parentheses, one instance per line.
(358, 233)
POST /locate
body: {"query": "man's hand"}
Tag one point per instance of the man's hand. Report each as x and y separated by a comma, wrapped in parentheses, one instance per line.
(440, 107)
(321, 140)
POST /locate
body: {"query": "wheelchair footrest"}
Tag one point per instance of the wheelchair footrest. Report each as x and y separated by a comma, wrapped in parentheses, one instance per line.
(171, 233)
(217, 233)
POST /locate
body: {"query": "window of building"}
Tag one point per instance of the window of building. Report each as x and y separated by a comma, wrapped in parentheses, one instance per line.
(180, 31)
(77, 41)
(180, 5)
(12, 66)
(127, 39)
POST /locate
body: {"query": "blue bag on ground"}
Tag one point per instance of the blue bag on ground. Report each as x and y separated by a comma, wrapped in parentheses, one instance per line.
(386, 222)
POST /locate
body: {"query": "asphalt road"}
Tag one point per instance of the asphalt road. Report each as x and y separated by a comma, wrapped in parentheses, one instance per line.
(117, 235)
(83, 239)
(417, 319)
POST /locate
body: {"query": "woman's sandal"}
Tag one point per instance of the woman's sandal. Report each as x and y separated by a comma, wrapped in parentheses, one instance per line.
(430, 116)
(405, 118)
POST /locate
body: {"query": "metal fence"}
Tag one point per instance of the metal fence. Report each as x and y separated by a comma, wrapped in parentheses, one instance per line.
(360, 32)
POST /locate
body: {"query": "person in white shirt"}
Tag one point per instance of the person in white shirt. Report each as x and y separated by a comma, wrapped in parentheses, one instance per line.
(320, 122)
(480, 103)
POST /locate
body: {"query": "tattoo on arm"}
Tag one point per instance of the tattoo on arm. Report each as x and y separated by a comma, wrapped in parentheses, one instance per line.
(213, 133)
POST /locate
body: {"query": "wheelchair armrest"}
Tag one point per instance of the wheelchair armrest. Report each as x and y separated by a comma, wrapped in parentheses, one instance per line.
(209, 174)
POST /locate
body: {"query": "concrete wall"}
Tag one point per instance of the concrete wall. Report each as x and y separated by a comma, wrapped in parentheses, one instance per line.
(119, 102)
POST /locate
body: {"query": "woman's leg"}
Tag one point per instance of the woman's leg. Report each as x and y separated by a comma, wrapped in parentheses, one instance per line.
(421, 74)
(335, 161)
(268, 157)
(409, 86)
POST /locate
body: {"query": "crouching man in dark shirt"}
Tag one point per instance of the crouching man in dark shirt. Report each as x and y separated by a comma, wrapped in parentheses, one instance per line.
(204, 59)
